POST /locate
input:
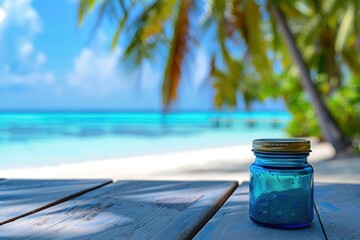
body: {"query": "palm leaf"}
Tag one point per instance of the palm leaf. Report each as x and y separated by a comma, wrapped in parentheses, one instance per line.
(237, 76)
(140, 48)
(345, 28)
(178, 50)
(317, 22)
(161, 14)
(255, 41)
(121, 24)
(352, 59)
(330, 57)
(225, 89)
(85, 6)
(102, 12)
(116, 36)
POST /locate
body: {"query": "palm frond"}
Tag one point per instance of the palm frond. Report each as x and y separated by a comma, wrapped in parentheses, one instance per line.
(352, 59)
(85, 6)
(345, 28)
(141, 48)
(101, 13)
(178, 50)
(225, 88)
(121, 23)
(317, 22)
(254, 38)
(161, 14)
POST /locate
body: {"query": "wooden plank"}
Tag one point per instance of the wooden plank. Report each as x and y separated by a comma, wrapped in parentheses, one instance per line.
(129, 209)
(189, 222)
(338, 206)
(19, 198)
(232, 222)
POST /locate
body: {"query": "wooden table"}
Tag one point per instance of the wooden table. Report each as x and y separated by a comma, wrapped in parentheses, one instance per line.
(102, 209)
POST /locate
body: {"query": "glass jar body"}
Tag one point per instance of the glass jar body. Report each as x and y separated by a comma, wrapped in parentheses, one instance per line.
(281, 190)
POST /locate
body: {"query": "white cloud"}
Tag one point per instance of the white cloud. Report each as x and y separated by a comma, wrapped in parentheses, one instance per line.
(34, 78)
(27, 63)
(25, 50)
(41, 58)
(20, 13)
(2, 15)
(29, 57)
(97, 72)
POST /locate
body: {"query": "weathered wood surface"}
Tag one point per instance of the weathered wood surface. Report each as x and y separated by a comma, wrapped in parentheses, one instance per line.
(126, 210)
(338, 206)
(232, 222)
(189, 222)
(22, 197)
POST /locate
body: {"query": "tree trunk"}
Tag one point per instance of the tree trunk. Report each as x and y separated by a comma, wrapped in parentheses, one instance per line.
(330, 130)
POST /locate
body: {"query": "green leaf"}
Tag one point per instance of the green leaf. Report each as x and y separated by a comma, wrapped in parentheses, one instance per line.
(158, 17)
(345, 28)
(315, 25)
(118, 31)
(255, 40)
(177, 52)
(85, 6)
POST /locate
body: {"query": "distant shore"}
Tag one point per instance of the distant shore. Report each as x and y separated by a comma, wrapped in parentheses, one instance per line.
(222, 163)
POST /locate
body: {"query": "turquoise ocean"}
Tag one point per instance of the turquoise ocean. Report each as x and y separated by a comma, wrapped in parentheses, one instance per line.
(49, 138)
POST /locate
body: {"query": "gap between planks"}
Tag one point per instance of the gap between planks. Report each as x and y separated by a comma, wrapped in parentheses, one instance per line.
(321, 224)
(216, 209)
(214, 205)
(338, 206)
(55, 203)
(133, 209)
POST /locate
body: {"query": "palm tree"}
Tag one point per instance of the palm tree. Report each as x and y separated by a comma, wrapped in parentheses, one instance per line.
(158, 24)
(168, 24)
(328, 35)
(329, 127)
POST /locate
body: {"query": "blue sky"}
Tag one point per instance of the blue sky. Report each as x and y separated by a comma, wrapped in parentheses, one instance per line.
(48, 62)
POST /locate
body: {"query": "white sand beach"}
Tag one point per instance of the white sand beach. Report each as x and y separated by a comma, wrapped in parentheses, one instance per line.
(223, 163)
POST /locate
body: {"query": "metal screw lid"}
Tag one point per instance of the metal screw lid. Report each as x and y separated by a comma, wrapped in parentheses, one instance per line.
(278, 145)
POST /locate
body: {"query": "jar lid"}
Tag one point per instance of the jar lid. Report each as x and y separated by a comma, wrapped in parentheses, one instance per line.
(278, 145)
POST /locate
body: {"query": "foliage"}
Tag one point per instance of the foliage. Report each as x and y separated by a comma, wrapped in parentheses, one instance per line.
(177, 51)
(344, 105)
(304, 121)
(169, 24)
(151, 26)
(239, 22)
(248, 55)
(325, 32)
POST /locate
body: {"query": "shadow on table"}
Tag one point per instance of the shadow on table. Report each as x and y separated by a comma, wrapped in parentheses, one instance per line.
(128, 209)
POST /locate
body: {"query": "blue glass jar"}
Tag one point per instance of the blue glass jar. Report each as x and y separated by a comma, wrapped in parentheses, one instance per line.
(281, 183)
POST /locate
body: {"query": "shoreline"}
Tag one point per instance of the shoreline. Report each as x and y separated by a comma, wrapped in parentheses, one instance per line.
(217, 163)
(132, 166)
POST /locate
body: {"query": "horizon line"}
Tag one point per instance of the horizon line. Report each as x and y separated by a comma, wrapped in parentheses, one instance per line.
(129, 111)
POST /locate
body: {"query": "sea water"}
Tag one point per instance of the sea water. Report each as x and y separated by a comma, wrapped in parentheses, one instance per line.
(46, 138)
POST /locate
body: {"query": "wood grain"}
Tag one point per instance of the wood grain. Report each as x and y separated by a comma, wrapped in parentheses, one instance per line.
(19, 198)
(125, 210)
(189, 222)
(338, 206)
(232, 222)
